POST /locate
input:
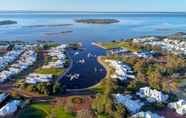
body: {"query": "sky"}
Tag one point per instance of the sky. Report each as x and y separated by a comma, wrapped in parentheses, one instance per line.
(95, 5)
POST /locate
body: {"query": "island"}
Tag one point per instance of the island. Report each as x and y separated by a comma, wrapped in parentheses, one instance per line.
(48, 25)
(8, 22)
(97, 21)
(58, 33)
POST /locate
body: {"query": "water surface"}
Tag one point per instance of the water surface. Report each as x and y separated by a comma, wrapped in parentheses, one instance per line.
(131, 25)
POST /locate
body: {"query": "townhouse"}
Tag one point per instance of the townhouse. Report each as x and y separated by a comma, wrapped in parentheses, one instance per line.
(179, 106)
(152, 95)
(146, 54)
(146, 114)
(117, 51)
(121, 71)
(168, 44)
(10, 108)
(9, 57)
(35, 78)
(58, 57)
(3, 96)
(133, 106)
(25, 60)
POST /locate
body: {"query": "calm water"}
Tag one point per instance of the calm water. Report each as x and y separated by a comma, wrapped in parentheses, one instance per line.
(131, 25)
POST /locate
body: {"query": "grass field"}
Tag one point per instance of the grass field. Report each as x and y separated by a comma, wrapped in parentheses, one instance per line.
(60, 113)
(37, 110)
(181, 92)
(44, 110)
(121, 44)
(99, 88)
(54, 71)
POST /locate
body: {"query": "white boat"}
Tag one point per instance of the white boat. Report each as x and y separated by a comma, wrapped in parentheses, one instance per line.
(82, 61)
(74, 76)
(76, 53)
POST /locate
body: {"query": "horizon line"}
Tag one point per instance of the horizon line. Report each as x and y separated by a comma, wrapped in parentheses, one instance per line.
(93, 11)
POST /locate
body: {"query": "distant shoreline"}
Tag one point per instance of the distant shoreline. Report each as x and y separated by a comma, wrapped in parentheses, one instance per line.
(58, 33)
(50, 25)
(7, 22)
(97, 21)
(49, 11)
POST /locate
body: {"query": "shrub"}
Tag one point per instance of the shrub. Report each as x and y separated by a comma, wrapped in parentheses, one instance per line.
(77, 100)
(85, 114)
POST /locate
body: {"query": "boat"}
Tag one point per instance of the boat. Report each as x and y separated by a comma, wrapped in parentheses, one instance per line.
(95, 69)
(82, 61)
(89, 55)
(74, 76)
(76, 53)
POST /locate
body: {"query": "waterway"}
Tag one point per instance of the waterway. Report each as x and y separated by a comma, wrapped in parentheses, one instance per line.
(90, 72)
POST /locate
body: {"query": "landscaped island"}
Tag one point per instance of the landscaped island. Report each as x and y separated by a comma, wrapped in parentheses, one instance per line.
(8, 22)
(97, 21)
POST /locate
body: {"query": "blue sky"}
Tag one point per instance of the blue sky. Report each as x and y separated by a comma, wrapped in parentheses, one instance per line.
(94, 5)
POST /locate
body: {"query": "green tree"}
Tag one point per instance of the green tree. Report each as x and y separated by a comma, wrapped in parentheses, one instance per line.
(154, 78)
(85, 114)
(120, 112)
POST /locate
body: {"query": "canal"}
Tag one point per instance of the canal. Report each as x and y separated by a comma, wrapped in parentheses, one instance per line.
(85, 71)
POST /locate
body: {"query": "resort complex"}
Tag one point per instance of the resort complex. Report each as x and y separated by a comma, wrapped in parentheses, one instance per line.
(10, 105)
(152, 95)
(148, 93)
(142, 79)
(93, 59)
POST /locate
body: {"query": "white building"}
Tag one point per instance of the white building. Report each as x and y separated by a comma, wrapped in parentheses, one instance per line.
(145, 54)
(26, 59)
(133, 106)
(9, 57)
(179, 106)
(144, 39)
(117, 51)
(121, 71)
(171, 45)
(152, 95)
(35, 78)
(147, 114)
(9, 108)
(57, 54)
(3, 96)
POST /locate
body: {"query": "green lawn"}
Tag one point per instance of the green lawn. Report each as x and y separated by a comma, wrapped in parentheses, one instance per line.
(121, 44)
(102, 116)
(37, 110)
(181, 92)
(42, 110)
(53, 71)
(60, 113)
